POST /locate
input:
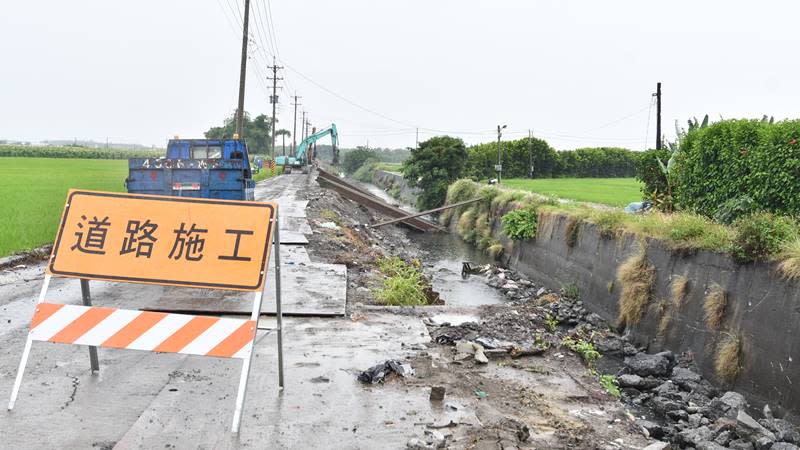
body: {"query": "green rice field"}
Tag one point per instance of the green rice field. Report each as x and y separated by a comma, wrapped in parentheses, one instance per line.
(609, 191)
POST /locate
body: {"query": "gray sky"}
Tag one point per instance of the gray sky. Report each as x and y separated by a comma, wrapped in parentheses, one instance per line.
(144, 71)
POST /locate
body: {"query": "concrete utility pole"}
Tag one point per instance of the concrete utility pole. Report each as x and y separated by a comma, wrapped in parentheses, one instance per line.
(530, 154)
(658, 115)
(417, 140)
(303, 126)
(242, 72)
(499, 166)
(274, 100)
(294, 127)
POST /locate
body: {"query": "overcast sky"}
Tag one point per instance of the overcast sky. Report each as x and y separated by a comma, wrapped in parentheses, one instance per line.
(579, 73)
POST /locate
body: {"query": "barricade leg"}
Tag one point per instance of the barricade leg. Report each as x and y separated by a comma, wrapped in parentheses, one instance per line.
(278, 312)
(245, 375)
(26, 352)
(86, 296)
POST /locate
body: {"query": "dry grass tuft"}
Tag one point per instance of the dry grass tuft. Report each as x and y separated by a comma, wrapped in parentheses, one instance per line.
(496, 250)
(790, 260)
(665, 315)
(728, 361)
(679, 288)
(714, 306)
(573, 227)
(637, 276)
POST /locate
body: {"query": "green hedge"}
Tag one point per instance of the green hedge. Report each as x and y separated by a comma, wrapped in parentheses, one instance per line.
(731, 158)
(76, 152)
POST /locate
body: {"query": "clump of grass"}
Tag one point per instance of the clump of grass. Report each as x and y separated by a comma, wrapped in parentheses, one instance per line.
(727, 364)
(761, 235)
(637, 276)
(495, 250)
(583, 348)
(459, 191)
(331, 215)
(551, 323)
(610, 384)
(466, 223)
(571, 232)
(609, 222)
(714, 306)
(665, 317)
(667, 309)
(571, 290)
(790, 260)
(678, 290)
(500, 201)
(404, 283)
(610, 286)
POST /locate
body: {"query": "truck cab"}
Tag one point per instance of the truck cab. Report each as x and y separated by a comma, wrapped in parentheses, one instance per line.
(204, 168)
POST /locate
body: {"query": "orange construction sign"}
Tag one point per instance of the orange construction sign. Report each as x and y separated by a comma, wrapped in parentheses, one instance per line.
(180, 241)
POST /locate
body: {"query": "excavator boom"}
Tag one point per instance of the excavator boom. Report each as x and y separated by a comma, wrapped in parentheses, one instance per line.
(301, 159)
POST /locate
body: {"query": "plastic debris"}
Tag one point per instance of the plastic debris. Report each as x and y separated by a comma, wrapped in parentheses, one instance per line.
(379, 372)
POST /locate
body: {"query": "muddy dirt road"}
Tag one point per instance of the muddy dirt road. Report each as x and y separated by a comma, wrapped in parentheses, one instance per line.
(147, 400)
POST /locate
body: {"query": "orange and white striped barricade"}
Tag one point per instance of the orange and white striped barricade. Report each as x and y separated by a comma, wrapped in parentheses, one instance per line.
(177, 241)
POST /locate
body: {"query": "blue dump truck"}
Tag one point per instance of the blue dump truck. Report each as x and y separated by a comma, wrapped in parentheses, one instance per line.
(204, 168)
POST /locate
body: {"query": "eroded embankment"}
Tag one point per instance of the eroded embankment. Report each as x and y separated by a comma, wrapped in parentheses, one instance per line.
(736, 320)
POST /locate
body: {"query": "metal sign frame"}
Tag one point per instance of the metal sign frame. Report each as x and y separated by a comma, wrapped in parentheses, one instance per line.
(254, 316)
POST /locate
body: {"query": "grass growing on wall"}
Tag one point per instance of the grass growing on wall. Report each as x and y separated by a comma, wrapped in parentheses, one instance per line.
(776, 239)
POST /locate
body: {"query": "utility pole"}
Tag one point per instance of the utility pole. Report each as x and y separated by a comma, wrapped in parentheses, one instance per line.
(294, 129)
(302, 126)
(499, 166)
(242, 72)
(417, 141)
(274, 100)
(530, 154)
(658, 116)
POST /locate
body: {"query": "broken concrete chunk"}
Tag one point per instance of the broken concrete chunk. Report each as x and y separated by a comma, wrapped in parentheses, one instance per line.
(783, 446)
(437, 393)
(635, 381)
(746, 426)
(643, 364)
(658, 445)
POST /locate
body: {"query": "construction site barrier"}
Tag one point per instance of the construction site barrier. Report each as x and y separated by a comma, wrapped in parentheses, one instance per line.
(162, 240)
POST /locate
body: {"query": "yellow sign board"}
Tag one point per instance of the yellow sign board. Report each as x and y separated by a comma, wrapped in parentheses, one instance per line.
(180, 241)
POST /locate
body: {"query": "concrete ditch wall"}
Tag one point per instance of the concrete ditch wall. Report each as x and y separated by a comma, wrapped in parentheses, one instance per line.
(394, 183)
(763, 309)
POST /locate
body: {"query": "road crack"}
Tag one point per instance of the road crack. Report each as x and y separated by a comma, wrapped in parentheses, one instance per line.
(75, 383)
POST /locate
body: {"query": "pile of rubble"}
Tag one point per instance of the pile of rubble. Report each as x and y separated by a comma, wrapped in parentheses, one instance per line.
(678, 407)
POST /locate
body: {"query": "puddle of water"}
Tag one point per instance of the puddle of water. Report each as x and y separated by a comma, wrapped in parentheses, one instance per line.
(445, 254)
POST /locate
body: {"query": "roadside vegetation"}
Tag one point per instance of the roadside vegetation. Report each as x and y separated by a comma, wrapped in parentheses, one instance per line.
(404, 284)
(757, 237)
(33, 191)
(266, 173)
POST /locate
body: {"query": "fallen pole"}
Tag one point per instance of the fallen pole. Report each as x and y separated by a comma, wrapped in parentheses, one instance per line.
(441, 208)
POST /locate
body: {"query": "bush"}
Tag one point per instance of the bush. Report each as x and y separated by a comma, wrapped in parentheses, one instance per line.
(761, 235)
(735, 208)
(520, 224)
(649, 172)
(432, 166)
(366, 171)
(354, 159)
(726, 159)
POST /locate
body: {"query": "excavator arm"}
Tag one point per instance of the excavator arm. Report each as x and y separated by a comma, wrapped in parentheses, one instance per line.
(301, 156)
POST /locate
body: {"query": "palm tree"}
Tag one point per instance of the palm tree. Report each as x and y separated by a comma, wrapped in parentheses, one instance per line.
(284, 133)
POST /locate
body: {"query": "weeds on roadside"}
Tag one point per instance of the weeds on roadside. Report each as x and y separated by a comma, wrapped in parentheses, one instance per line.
(571, 291)
(551, 323)
(404, 285)
(610, 384)
(583, 348)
